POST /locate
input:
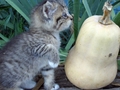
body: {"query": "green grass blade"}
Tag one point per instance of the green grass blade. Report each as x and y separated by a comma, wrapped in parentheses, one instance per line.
(83, 18)
(116, 19)
(85, 3)
(4, 38)
(2, 43)
(116, 5)
(99, 7)
(118, 64)
(34, 2)
(17, 6)
(76, 17)
(113, 14)
(26, 5)
(70, 43)
(9, 25)
(63, 55)
(7, 20)
(70, 6)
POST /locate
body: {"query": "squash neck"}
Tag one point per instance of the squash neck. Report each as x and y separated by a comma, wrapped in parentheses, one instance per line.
(105, 19)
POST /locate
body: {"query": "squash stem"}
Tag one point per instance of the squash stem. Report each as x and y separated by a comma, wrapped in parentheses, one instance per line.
(105, 19)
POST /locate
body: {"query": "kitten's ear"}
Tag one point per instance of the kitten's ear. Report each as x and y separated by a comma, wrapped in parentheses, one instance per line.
(61, 2)
(48, 10)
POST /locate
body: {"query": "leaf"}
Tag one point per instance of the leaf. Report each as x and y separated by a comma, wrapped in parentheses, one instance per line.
(63, 54)
(116, 4)
(99, 7)
(83, 18)
(2, 43)
(77, 25)
(17, 6)
(112, 14)
(116, 19)
(70, 7)
(76, 17)
(2, 7)
(4, 38)
(70, 43)
(26, 5)
(7, 20)
(85, 2)
(118, 64)
(9, 25)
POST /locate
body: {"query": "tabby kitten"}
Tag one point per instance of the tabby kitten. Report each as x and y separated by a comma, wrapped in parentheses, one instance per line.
(36, 50)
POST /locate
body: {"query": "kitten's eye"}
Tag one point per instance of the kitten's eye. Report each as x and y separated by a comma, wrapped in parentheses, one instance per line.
(64, 15)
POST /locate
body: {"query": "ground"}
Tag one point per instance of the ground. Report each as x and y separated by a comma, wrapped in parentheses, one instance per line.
(64, 83)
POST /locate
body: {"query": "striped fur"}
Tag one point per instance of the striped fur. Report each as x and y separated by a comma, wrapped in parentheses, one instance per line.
(36, 50)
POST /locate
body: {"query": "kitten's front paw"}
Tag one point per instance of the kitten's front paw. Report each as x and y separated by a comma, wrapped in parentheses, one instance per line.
(53, 65)
(16, 89)
(56, 87)
(28, 84)
(21, 89)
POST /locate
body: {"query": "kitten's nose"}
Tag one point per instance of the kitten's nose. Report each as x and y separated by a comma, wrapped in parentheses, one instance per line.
(71, 17)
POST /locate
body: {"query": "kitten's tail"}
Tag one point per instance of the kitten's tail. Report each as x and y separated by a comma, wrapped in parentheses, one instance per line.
(4, 88)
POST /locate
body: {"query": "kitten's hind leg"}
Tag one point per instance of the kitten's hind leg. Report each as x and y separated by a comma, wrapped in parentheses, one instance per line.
(15, 89)
(49, 83)
(28, 84)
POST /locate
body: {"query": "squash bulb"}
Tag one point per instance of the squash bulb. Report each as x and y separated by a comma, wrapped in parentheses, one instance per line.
(91, 63)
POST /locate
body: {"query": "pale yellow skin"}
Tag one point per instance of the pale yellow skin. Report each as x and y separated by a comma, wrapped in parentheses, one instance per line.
(91, 63)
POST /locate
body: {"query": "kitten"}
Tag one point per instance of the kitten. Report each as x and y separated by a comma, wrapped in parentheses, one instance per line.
(36, 50)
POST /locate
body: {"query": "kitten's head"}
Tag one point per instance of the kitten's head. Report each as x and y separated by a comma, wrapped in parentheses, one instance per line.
(51, 15)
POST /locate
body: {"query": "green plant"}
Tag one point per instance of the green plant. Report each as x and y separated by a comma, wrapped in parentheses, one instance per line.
(88, 10)
(14, 18)
(11, 23)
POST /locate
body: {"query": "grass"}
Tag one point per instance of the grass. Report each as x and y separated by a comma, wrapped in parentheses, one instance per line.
(14, 19)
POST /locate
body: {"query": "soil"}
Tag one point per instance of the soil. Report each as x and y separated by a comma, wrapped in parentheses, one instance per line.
(64, 83)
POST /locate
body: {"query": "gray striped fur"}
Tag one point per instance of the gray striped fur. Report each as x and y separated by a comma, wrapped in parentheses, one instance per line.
(36, 50)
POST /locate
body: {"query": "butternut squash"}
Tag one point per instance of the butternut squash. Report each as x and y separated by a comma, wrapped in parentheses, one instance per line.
(91, 63)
